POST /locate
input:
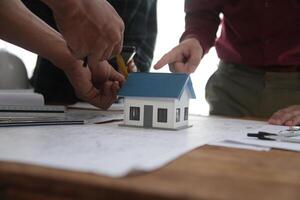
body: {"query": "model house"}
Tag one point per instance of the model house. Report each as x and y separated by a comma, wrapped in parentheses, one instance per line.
(157, 100)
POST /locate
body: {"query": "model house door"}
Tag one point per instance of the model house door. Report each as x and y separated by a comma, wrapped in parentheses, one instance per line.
(148, 116)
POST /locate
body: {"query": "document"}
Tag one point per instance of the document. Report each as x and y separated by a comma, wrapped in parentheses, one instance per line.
(111, 150)
(243, 139)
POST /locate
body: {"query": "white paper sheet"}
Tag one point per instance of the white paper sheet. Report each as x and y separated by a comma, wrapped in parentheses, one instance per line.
(243, 139)
(111, 150)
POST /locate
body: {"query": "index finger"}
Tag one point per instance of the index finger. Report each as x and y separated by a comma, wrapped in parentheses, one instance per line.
(166, 59)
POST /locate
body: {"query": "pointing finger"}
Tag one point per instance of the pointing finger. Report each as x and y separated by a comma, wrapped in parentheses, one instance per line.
(168, 58)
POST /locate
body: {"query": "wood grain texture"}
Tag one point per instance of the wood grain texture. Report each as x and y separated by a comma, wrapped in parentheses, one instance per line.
(205, 173)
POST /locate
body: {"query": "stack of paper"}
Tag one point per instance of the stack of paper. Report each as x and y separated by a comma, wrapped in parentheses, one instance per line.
(26, 108)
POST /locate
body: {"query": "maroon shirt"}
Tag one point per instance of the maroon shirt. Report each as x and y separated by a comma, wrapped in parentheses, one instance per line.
(254, 32)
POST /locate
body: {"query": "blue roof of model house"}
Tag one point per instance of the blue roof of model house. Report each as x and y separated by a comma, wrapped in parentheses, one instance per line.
(163, 85)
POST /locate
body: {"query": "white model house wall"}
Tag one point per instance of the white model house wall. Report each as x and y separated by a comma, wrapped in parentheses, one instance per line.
(181, 104)
(163, 103)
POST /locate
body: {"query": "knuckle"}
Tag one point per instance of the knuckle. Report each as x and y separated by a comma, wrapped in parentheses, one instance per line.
(116, 37)
(117, 48)
(122, 25)
(119, 37)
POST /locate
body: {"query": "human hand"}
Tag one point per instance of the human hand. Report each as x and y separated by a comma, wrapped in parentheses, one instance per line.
(289, 116)
(97, 86)
(25, 31)
(184, 58)
(91, 28)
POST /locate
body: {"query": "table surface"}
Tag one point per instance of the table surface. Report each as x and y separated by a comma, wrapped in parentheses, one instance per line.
(205, 173)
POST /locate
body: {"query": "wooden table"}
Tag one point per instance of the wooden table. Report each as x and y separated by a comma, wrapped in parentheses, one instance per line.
(205, 173)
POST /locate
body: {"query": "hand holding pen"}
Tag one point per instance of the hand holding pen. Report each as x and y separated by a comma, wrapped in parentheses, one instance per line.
(124, 61)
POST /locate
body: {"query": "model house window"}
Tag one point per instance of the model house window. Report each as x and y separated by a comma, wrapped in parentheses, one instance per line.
(135, 113)
(178, 115)
(186, 113)
(162, 115)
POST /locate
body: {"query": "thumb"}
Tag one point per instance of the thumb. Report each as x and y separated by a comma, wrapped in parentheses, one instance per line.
(116, 76)
(104, 71)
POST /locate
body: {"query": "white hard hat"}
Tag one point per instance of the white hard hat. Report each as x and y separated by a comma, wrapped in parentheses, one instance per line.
(13, 73)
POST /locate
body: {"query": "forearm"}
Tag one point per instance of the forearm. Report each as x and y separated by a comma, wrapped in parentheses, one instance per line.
(26, 30)
(64, 6)
(202, 21)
